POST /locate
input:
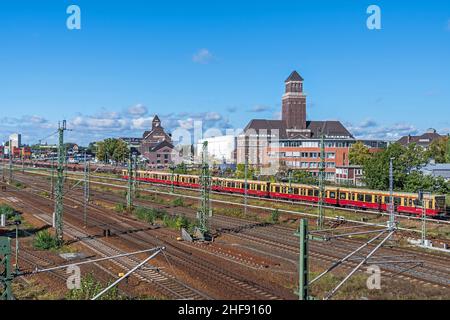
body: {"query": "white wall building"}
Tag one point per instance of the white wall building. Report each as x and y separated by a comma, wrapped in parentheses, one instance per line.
(15, 140)
(220, 149)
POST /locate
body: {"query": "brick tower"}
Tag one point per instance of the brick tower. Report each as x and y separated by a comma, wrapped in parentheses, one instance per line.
(294, 103)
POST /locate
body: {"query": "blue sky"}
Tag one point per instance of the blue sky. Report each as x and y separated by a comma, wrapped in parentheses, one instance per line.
(221, 61)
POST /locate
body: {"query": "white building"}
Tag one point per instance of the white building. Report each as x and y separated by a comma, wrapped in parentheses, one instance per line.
(15, 140)
(220, 149)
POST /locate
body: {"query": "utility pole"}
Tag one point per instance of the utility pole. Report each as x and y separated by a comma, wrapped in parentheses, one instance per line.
(10, 166)
(303, 267)
(6, 275)
(290, 180)
(391, 194)
(320, 218)
(205, 182)
(172, 169)
(130, 183)
(86, 189)
(59, 189)
(135, 176)
(245, 184)
(422, 198)
(52, 179)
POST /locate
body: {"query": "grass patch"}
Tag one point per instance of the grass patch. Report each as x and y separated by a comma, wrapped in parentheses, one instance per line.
(19, 185)
(178, 202)
(120, 208)
(152, 215)
(44, 240)
(32, 291)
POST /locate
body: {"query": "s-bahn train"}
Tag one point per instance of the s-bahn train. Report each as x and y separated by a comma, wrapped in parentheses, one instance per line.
(406, 203)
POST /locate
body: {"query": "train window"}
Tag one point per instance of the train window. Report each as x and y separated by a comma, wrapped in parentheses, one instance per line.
(343, 196)
(277, 189)
(377, 199)
(295, 190)
(397, 201)
(332, 195)
(310, 192)
(316, 193)
(386, 199)
(368, 198)
(360, 197)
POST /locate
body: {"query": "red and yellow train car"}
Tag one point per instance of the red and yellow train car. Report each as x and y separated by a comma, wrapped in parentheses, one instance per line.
(406, 203)
(301, 192)
(254, 188)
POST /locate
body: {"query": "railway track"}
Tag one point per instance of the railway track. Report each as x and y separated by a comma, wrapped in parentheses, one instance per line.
(242, 287)
(433, 271)
(239, 196)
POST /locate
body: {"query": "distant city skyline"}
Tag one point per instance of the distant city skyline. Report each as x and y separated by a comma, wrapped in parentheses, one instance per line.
(222, 63)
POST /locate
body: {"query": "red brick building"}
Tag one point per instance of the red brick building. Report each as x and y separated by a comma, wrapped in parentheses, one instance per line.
(294, 142)
(156, 146)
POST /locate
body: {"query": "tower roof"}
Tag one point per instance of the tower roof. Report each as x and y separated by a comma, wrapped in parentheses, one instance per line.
(156, 118)
(294, 76)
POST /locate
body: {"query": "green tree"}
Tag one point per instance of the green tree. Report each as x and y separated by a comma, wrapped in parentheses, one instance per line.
(112, 149)
(416, 181)
(240, 171)
(359, 154)
(181, 168)
(376, 168)
(439, 150)
(304, 177)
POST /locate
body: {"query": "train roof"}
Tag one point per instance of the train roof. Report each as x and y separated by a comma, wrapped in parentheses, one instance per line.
(241, 180)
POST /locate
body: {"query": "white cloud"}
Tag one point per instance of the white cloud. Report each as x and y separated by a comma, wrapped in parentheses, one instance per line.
(202, 56)
(259, 108)
(369, 129)
(138, 110)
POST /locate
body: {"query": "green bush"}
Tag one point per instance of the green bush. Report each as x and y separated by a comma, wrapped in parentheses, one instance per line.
(45, 240)
(274, 216)
(178, 202)
(120, 207)
(7, 210)
(90, 287)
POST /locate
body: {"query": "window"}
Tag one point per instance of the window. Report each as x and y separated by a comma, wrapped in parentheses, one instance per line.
(368, 198)
(360, 197)
(332, 195)
(166, 156)
(343, 196)
(158, 155)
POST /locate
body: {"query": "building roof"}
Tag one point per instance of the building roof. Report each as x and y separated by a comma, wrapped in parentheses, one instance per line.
(332, 129)
(263, 124)
(161, 145)
(329, 128)
(424, 140)
(294, 76)
(156, 118)
(437, 170)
